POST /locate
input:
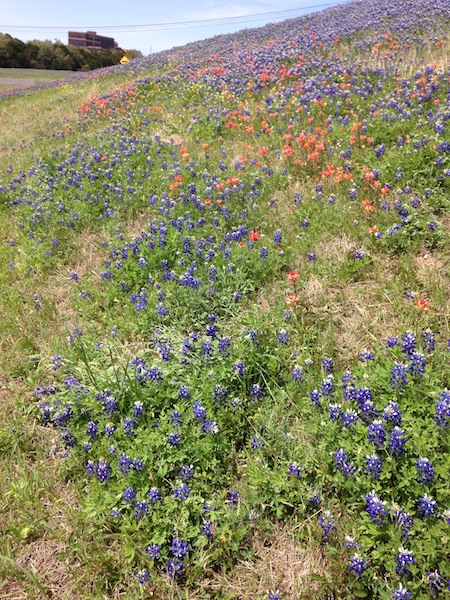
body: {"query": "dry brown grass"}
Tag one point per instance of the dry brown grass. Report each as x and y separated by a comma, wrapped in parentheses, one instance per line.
(280, 562)
(333, 249)
(362, 315)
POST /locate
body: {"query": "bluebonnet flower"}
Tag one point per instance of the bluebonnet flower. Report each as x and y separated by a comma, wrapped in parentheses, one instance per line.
(103, 471)
(110, 403)
(256, 392)
(129, 494)
(442, 409)
(140, 509)
(182, 492)
(401, 593)
(174, 439)
(328, 365)
(374, 465)
(57, 361)
(176, 418)
(92, 429)
(129, 426)
(220, 393)
(179, 547)
(297, 373)
(377, 433)
(175, 568)
(429, 342)
(315, 399)
(402, 519)
(125, 463)
(208, 529)
(138, 465)
(435, 582)
(138, 409)
(154, 495)
(91, 468)
(67, 438)
(256, 442)
(408, 343)
(367, 355)
(425, 470)
(380, 150)
(404, 559)
(342, 464)
(376, 508)
(315, 499)
(207, 348)
(295, 469)
(427, 506)
(327, 524)
(349, 418)
(161, 310)
(210, 426)
(368, 410)
(199, 411)
(327, 387)
(274, 595)
(283, 337)
(263, 253)
(239, 369)
(186, 472)
(154, 551)
(417, 364)
(397, 440)
(334, 410)
(233, 497)
(392, 413)
(398, 375)
(350, 542)
(143, 576)
(223, 345)
(164, 351)
(278, 236)
(46, 410)
(357, 565)
(312, 256)
(391, 342)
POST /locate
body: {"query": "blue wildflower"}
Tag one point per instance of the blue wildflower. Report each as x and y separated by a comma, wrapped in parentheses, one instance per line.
(357, 565)
(404, 559)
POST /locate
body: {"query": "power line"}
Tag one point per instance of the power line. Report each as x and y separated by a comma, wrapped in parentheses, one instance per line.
(167, 25)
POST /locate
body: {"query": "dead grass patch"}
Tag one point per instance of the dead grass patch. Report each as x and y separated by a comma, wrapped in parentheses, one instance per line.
(335, 248)
(280, 562)
(43, 559)
(363, 314)
(433, 268)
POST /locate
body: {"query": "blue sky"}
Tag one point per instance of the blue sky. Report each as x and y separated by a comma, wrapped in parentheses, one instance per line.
(138, 24)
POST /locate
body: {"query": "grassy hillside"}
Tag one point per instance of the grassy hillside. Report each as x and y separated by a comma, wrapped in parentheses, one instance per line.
(224, 319)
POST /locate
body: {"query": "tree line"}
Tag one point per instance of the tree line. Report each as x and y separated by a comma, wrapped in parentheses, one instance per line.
(37, 54)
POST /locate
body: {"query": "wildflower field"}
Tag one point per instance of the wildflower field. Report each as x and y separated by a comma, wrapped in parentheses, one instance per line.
(224, 317)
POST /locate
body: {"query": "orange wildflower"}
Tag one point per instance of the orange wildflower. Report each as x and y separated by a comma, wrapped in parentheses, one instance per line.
(422, 304)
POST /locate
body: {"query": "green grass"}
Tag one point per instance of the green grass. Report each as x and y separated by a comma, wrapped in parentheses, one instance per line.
(36, 75)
